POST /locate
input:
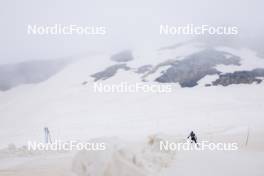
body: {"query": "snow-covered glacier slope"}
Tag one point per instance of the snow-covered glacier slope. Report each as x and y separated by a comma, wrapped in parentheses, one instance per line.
(68, 105)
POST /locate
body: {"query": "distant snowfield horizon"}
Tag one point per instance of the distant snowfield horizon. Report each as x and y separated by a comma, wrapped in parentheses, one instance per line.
(67, 104)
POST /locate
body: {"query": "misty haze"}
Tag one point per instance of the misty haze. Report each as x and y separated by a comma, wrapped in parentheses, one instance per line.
(209, 53)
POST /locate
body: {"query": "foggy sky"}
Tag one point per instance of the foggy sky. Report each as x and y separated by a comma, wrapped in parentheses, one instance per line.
(130, 24)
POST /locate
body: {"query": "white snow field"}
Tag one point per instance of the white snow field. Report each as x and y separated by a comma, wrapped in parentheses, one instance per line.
(132, 124)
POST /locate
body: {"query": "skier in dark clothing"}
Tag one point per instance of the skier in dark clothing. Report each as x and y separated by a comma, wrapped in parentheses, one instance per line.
(193, 137)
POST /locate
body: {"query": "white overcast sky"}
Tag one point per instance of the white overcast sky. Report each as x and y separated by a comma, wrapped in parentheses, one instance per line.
(130, 24)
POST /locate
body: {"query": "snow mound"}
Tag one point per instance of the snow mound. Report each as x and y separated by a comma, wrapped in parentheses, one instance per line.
(144, 159)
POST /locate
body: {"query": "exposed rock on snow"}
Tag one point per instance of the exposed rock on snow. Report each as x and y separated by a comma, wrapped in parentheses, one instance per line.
(123, 56)
(240, 77)
(144, 69)
(187, 70)
(196, 66)
(109, 72)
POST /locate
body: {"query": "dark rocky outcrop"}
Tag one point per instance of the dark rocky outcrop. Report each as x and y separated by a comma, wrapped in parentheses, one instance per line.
(155, 69)
(123, 56)
(109, 72)
(143, 69)
(240, 77)
(190, 70)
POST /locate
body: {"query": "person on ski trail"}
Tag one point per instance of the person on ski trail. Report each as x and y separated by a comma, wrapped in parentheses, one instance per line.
(193, 137)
